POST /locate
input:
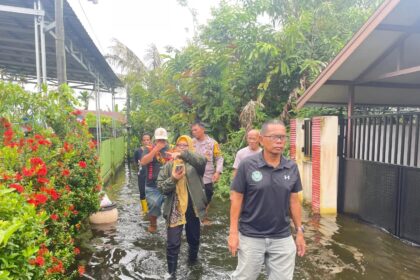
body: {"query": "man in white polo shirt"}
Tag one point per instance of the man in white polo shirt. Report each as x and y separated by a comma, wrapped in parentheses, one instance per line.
(252, 149)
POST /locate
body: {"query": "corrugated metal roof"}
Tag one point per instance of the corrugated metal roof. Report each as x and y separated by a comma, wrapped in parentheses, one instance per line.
(17, 47)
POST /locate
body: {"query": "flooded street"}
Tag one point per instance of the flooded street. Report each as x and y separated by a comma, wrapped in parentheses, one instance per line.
(338, 248)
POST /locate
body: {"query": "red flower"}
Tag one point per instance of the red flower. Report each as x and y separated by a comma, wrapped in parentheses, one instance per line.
(67, 187)
(66, 172)
(52, 192)
(43, 180)
(18, 177)
(44, 142)
(76, 251)
(38, 199)
(43, 250)
(71, 207)
(42, 171)
(75, 212)
(54, 195)
(28, 172)
(76, 112)
(8, 134)
(82, 164)
(6, 124)
(67, 147)
(54, 217)
(92, 144)
(39, 261)
(81, 269)
(34, 148)
(35, 161)
(18, 187)
(6, 177)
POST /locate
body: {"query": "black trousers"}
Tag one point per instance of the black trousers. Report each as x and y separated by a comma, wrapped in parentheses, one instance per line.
(192, 230)
(208, 189)
(142, 185)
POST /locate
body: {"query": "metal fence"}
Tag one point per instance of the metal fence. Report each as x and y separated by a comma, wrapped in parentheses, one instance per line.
(392, 138)
(379, 171)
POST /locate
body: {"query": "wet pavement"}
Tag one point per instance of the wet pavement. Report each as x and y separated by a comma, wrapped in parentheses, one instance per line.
(338, 247)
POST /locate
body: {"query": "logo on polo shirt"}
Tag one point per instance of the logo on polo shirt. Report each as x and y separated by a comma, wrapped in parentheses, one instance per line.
(256, 176)
(286, 177)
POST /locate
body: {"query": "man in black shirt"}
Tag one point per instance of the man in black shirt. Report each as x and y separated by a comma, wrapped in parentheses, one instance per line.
(263, 193)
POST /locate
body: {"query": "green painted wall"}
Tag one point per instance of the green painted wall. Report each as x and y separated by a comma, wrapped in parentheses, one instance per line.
(111, 156)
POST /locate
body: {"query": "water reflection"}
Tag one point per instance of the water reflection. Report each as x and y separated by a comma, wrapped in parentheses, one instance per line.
(338, 247)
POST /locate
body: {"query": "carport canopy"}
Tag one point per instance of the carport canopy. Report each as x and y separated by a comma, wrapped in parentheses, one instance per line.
(379, 66)
(27, 31)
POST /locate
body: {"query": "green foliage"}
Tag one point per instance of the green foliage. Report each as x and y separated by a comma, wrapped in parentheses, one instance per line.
(264, 52)
(54, 166)
(21, 233)
(236, 141)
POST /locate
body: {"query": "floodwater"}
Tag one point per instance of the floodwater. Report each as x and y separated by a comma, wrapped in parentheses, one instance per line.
(337, 247)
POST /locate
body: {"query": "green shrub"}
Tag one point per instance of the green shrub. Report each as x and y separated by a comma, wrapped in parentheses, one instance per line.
(21, 233)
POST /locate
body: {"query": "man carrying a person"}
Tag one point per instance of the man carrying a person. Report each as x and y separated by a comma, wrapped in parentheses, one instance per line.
(252, 149)
(155, 156)
(209, 148)
(264, 193)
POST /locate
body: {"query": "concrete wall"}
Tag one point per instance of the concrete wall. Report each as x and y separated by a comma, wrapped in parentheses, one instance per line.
(319, 173)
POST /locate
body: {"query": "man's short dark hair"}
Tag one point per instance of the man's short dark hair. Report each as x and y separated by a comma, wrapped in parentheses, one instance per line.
(200, 124)
(146, 134)
(265, 125)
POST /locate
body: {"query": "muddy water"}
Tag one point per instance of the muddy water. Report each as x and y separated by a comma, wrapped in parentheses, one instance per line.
(338, 247)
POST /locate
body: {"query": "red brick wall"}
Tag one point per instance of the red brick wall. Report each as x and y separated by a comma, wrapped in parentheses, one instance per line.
(293, 139)
(316, 164)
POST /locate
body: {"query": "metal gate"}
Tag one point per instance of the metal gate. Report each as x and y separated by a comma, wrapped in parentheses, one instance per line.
(379, 174)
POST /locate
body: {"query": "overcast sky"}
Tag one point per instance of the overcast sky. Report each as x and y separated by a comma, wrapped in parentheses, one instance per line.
(137, 24)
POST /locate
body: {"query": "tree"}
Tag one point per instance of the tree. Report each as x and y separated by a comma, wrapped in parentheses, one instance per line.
(85, 97)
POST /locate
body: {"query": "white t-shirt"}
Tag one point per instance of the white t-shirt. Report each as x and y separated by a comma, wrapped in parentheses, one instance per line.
(244, 153)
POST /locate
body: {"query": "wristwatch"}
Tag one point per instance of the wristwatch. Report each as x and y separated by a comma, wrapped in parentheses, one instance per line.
(301, 229)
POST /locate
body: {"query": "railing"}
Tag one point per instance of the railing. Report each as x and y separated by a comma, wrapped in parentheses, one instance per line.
(111, 156)
(392, 139)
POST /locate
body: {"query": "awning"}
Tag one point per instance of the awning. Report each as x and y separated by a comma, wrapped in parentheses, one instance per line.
(381, 62)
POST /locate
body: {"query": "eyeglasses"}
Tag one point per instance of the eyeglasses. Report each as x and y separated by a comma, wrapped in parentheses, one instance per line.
(182, 145)
(274, 138)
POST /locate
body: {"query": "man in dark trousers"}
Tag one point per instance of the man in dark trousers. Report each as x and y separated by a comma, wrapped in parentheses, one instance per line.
(209, 148)
(146, 140)
(263, 193)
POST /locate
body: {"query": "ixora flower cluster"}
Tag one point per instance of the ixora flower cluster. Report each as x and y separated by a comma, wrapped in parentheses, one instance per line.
(49, 184)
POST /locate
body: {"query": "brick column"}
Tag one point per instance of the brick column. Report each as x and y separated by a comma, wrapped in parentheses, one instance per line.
(316, 164)
(293, 139)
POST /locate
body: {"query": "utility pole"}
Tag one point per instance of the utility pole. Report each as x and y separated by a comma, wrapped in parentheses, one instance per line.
(60, 52)
(128, 126)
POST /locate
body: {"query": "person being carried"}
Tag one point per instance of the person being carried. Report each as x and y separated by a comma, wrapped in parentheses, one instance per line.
(185, 201)
(154, 157)
(252, 149)
(263, 193)
(141, 174)
(209, 148)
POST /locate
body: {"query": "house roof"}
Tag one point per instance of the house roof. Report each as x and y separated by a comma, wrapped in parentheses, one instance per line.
(120, 117)
(381, 61)
(85, 64)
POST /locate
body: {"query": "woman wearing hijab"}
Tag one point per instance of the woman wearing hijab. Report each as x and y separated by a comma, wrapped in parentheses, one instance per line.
(185, 201)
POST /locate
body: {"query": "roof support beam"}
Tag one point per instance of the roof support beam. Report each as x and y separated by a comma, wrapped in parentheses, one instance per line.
(398, 73)
(350, 109)
(398, 28)
(20, 10)
(372, 84)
